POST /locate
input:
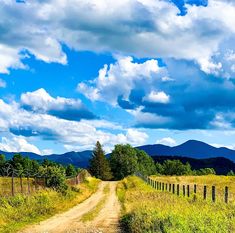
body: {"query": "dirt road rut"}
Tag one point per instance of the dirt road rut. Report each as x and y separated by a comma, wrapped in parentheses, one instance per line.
(107, 220)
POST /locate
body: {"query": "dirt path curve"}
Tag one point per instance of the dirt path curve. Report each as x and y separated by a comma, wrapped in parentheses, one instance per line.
(69, 222)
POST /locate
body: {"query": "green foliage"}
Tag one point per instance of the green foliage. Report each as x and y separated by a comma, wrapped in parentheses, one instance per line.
(174, 167)
(70, 170)
(123, 161)
(2, 160)
(205, 171)
(99, 165)
(126, 160)
(55, 177)
(146, 164)
(231, 173)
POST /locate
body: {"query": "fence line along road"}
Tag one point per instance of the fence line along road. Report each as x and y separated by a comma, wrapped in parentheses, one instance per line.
(13, 181)
(186, 191)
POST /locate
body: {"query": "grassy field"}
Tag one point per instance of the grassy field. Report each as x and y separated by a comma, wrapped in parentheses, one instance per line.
(146, 210)
(18, 211)
(210, 180)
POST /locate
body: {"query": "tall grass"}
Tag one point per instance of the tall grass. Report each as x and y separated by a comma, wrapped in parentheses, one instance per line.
(146, 210)
(20, 210)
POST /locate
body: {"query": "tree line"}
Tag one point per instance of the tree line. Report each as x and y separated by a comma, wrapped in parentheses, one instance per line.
(125, 160)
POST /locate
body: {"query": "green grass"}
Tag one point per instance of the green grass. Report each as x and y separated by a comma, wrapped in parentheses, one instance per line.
(146, 210)
(90, 215)
(21, 210)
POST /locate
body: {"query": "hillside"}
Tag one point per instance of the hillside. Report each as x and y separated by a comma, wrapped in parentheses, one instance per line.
(191, 149)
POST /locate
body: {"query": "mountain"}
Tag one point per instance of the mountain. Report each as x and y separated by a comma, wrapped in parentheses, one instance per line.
(206, 155)
(221, 165)
(79, 159)
(192, 149)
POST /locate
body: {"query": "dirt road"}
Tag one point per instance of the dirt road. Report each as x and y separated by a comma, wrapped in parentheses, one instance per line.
(107, 220)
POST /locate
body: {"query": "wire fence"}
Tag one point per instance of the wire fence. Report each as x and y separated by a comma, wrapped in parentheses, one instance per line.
(17, 181)
(195, 191)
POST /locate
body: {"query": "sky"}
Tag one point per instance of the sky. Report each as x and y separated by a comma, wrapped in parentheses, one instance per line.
(131, 71)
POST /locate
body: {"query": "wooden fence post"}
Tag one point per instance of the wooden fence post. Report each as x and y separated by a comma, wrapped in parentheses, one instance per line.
(204, 192)
(226, 194)
(157, 185)
(173, 189)
(163, 186)
(166, 186)
(28, 184)
(160, 185)
(169, 187)
(213, 193)
(188, 191)
(178, 189)
(12, 185)
(195, 189)
(21, 184)
(183, 190)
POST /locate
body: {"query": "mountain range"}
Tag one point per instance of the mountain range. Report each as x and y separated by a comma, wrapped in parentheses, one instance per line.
(198, 153)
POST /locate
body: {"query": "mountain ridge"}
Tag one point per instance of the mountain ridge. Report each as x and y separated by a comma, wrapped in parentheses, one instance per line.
(190, 149)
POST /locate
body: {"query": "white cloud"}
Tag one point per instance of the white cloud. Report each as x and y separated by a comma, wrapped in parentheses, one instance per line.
(41, 101)
(141, 28)
(120, 78)
(149, 120)
(74, 135)
(17, 144)
(3, 84)
(158, 97)
(166, 141)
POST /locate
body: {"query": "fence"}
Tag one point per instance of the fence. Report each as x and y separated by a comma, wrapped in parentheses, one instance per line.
(14, 182)
(204, 192)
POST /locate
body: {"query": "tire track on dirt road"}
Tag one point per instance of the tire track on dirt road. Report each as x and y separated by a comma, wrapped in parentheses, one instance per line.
(107, 220)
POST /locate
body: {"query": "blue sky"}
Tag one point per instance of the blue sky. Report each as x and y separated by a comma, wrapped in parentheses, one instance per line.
(136, 71)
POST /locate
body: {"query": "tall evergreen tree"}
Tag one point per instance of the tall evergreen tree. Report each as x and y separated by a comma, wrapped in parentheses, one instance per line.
(99, 165)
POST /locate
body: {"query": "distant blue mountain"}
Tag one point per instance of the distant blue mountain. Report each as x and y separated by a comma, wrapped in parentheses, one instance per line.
(79, 159)
(192, 149)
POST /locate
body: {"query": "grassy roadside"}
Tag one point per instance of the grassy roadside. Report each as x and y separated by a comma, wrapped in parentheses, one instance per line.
(19, 211)
(89, 216)
(146, 210)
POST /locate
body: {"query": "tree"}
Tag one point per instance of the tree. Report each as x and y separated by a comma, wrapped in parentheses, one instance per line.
(206, 171)
(231, 173)
(145, 163)
(55, 177)
(99, 165)
(2, 160)
(70, 170)
(123, 161)
(159, 169)
(176, 167)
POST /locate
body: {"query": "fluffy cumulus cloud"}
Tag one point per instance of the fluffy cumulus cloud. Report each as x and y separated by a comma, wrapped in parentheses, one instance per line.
(73, 135)
(166, 141)
(65, 108)
(141, 28)
(164, 96)
(17, 144)
(115, 82)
